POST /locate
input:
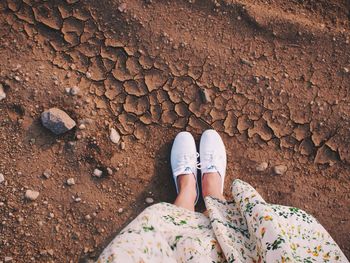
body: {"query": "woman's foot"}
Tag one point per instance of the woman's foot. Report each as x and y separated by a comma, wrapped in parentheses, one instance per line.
(213, 164)
(184, 167)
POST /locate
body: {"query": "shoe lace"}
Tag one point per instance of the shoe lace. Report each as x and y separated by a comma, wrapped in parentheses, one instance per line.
(186, 161)
(211, 159)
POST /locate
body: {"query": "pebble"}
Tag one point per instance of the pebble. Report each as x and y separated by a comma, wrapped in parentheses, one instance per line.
(120, 210)
(47, 174)
(8, 259)
(149, 200)
(2, 178)
(346, 70)
(280, 169)
(205, 96)
(87, 217)
(261, 167)
(82, 126)
(70, 181)
(31, 195)
(57, 121)
(67, 90)
(2, 92)
(98, 172)
(74, 91)
(114, 136)
(122, 7)
(109, 171)
(122, 145)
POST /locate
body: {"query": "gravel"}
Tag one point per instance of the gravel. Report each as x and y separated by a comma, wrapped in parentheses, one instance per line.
(47, 174)
(2, 92)
(149, 200)
(98, 172)
(109, 171)
(122, 145)
(57, 121)
(31, 195)
(261, 167)
(70, 181)
(280, 169)
(2, 178)
(114, 136)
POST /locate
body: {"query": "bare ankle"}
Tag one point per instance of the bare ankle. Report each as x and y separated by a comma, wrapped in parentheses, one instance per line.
(211, 185)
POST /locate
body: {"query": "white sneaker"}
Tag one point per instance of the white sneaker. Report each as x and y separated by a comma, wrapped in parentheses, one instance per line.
(213, 155)
(183, 158)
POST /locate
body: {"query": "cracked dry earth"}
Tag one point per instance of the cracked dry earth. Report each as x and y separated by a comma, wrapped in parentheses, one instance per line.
(271, 76)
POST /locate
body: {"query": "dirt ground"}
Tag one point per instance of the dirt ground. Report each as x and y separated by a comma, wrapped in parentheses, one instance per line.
(272, 76)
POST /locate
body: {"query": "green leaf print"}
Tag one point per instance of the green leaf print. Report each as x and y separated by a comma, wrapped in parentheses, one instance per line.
(276, 244)
(148, 228)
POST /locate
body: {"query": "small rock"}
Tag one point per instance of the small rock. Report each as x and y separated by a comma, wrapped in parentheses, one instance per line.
(346, 70)
(31, 195)
(70, 181)
(261, 167)
(67, 90)
(2, 178)
(82, 126)
(114, 136)
(57, 121)
(280, 169)
(74, 91)
(149, 200)
(205, 96)
(109, 171)
(8, 259)
(120, 210)
(122, 7)
(47, 174)
(122, 145)
(98, 172)
(87, 217)
(2, 92)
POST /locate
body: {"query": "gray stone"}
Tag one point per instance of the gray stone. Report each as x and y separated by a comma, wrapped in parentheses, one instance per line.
(261, 167)
(2, 92)
(57, 121)
(280, 169)
(31, 195)
(2, 178)
(114, 136)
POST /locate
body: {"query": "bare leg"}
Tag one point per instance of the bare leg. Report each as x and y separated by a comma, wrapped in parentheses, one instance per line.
(187, 191)
(211, 185)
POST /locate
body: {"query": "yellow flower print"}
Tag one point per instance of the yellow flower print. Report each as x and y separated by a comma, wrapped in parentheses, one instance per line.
(262, 231)
(326, 256)
(267, 218)
(293, 246)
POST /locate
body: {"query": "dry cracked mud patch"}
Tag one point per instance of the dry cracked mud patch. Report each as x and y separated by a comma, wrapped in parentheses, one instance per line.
(271, 76)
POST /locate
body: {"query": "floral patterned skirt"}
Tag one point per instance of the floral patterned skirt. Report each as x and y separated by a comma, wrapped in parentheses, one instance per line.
(246, 229)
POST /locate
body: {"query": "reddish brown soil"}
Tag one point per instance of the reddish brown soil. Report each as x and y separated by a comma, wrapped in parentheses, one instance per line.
(275, 75)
